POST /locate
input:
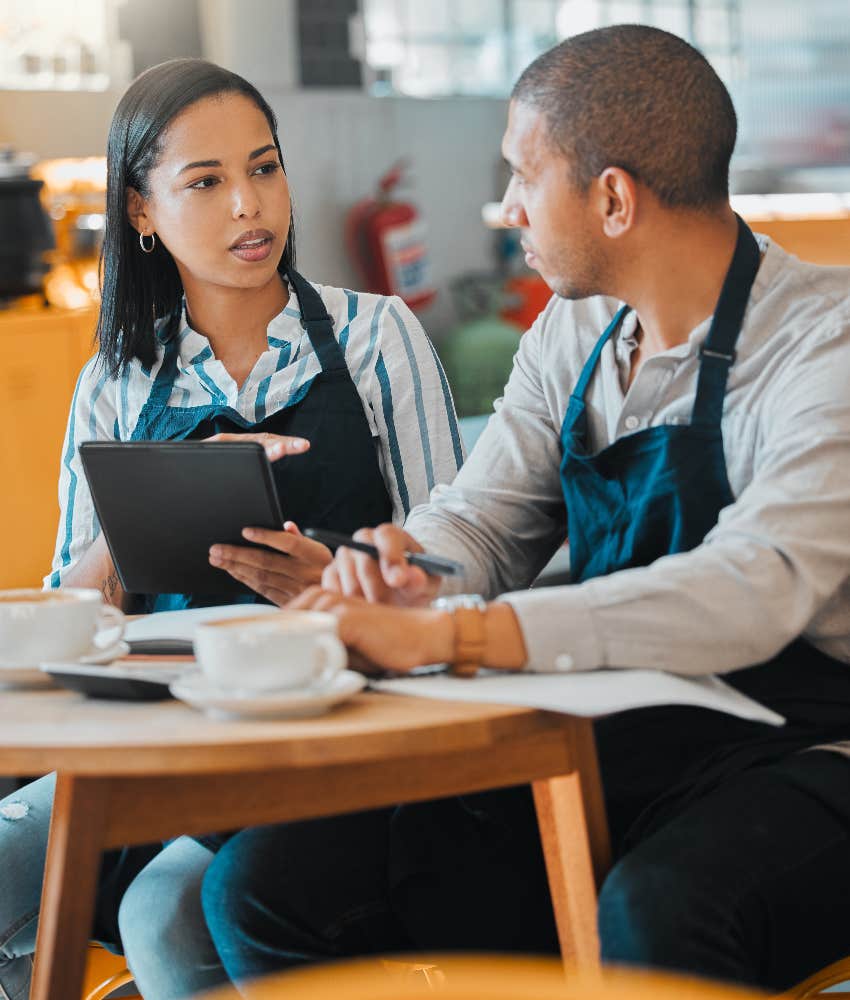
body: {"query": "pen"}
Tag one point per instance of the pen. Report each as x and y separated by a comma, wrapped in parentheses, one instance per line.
(435, 565)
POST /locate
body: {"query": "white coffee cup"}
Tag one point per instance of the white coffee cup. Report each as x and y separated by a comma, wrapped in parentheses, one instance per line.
(283, 651)
(42, 625)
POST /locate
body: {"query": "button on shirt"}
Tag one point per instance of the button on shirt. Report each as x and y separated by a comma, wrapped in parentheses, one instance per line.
(405, 396)
(776, 565)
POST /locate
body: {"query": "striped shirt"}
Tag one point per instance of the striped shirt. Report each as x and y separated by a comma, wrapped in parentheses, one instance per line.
(406, 401)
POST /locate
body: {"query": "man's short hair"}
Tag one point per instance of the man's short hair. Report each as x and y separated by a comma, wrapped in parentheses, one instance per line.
(641, 99)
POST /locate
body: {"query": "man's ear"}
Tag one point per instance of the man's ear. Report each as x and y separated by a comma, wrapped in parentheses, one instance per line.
(137, 212)
(617, 198)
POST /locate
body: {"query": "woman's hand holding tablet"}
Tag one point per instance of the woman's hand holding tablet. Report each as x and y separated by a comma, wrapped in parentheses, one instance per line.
(276, 446)
(301, 562)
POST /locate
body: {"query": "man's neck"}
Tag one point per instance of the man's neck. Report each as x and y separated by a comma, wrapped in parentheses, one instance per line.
(675, 282)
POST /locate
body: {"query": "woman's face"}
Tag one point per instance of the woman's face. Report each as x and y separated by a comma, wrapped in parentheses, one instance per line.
(218, 200)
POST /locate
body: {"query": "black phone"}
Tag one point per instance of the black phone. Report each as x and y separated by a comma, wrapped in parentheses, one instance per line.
(162, 504)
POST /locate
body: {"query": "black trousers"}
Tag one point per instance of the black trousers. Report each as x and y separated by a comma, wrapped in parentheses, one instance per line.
(748, 881)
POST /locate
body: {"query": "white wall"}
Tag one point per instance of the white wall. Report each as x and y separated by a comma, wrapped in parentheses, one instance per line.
(335, 148)
(336, 143)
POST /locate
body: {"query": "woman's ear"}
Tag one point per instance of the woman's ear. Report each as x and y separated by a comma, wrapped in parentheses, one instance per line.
(137, 212)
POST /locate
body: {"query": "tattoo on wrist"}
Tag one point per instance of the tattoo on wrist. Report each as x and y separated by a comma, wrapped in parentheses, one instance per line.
(109, 586)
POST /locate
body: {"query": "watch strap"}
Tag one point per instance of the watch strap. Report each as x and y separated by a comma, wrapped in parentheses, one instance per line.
(470, 640)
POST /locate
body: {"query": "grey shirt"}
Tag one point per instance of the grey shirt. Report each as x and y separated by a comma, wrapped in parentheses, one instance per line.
(777, 564)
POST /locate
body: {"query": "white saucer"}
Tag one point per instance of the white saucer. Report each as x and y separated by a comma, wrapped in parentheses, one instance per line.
(33, 676)
(196, 691)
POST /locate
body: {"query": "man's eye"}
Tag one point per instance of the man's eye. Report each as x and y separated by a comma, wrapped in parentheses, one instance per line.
(204, 183)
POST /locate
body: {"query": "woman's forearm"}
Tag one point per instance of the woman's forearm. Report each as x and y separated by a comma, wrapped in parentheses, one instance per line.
(96, 569)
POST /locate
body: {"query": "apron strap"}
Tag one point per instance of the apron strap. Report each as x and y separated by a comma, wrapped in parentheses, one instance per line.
(317, 323)
(160, 390)
(576, 404)
(717, 353)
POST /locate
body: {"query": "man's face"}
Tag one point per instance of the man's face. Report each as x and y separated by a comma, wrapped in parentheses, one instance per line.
(558, 237)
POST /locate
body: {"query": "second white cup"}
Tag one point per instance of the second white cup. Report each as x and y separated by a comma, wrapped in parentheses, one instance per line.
(284, 651)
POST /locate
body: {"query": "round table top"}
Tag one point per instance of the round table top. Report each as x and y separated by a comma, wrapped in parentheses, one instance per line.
(45, 730)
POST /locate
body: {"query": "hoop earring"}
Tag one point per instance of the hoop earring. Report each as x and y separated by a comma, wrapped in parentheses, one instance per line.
(142, 243)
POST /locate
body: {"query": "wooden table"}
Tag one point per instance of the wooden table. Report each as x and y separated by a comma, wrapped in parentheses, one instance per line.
(132, 773)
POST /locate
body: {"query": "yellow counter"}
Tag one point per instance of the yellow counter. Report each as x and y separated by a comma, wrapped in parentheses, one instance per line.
(41, 354)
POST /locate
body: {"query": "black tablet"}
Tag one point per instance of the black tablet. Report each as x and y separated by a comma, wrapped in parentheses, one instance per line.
(162, 504)
(125, 681)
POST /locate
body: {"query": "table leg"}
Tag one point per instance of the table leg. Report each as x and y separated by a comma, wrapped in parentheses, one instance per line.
(70, 882)
(573, 831)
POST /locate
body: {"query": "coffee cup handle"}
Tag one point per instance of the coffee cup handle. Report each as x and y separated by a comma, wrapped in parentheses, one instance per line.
(110, 626)
(335, 657)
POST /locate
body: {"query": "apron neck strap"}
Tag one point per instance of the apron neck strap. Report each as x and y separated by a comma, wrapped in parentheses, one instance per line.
(317, 323)
(717, 353)
(578, 393)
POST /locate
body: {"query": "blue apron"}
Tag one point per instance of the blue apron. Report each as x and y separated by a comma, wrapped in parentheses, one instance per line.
(337, 484)
(652, 493)
(658, 492)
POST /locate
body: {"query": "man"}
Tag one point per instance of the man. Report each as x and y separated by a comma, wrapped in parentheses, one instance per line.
(694, 446)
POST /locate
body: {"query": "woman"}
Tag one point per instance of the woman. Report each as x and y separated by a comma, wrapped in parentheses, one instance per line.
(207, 329)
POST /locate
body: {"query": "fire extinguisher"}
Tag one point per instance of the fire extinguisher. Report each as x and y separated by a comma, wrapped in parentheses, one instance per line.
(386, 238)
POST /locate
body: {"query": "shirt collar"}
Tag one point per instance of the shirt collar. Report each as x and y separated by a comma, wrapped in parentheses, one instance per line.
(280, 326)
(767, 269)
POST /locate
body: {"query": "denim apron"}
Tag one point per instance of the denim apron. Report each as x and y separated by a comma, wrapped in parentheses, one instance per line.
(658, 492)
(337, 484)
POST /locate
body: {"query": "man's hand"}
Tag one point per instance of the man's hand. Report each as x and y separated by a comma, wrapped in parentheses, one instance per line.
(388, 638)
(277, 577)
(390, 580)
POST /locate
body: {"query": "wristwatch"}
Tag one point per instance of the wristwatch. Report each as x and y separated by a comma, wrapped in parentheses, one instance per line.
(468, 613)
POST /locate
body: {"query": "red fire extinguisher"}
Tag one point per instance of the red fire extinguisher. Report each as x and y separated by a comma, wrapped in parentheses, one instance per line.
(386, 238)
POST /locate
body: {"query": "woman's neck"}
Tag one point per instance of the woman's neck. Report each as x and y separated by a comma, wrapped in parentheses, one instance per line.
(235, 320)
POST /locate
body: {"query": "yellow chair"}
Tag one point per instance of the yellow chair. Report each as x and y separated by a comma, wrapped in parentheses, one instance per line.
(490, 977)
(105, 973)
(814, 986)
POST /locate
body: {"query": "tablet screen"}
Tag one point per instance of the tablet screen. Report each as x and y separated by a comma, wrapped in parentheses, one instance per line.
(162, 504)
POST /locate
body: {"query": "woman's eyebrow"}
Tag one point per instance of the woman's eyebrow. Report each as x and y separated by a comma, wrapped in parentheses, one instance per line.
(217, 163)
(261, 150)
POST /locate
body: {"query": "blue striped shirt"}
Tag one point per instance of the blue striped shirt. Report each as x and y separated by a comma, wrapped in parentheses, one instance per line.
(406, 402)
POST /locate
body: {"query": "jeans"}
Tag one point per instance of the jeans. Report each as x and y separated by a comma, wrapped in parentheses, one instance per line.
(748, 883)
(24, 825)
(159, 915)
(163, 931)
(382, 881)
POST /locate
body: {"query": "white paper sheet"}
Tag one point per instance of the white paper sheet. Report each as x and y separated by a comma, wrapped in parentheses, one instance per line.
(182, 624)
(595, 693)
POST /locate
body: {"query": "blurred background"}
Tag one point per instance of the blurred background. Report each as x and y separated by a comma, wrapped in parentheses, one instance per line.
(391, 114)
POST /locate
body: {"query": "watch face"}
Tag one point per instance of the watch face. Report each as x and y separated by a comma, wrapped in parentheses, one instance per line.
(459, 601)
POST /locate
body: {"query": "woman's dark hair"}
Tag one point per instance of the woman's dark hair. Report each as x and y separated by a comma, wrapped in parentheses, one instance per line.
(137, 289)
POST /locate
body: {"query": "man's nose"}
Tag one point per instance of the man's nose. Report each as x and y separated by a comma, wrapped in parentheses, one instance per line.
(513, 214)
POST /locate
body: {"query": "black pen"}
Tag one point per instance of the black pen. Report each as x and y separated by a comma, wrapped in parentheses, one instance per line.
(434, 565)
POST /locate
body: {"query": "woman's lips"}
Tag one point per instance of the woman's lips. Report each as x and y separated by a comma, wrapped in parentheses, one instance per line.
(253, 250)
